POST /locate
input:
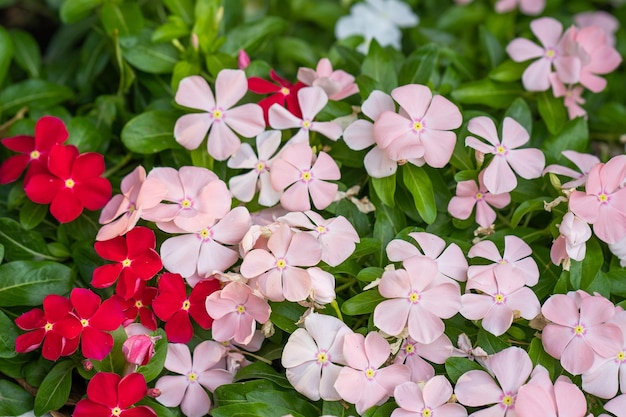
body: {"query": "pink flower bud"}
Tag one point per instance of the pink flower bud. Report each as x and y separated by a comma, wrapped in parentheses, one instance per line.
(87, 365)
(243, 60)
(153, 392)
(138, 349)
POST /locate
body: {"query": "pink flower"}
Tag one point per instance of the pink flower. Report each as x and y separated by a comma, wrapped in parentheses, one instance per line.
(245, 186)
(552, 52)
(337, 236)
(571, 242)
(511, 367)
(336, 84)
(584, 162)
(312, 100)
(430, 399)
(360, 135)
(416, 300)
(235, 311)
(527, 163)
(603, 203)
(220, 116)
(243, 60)
(278, 270)
(597, 57)
(580, 330)
(293, 173)
(528, 7)
(601, 19)
(312, 356)
(187, 389)
(421, 133)
(468, 195)
(619, 250)
(573, 96)
(138, 349)
(364, 382)
(413, 353)
(616, 406)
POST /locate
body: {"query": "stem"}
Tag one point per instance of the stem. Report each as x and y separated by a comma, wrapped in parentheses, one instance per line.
(252, 355)
(337, 309)
(118, 166)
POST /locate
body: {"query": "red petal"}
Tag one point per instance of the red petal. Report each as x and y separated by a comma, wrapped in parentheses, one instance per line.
(132, 388)
(108, 317)
(128, 284)
(171, 296)
(56, 307)
(48, 132)
(31, 320)
(12, 168)
(29, 341)
(280, 80)
(65, 207)
(69, 346)
(96, 344)
(178, 328)
(52, 346)
(261, 86)
(113, 250)
(85, 302)
(69, 328)
(43, 188)
(61, 159)
(148, 296)
(104, 276)
(139, 239)
(141, 411)
(197, 300)
(22, 144)
(88, 165)
(146, 317)
(94, 193)
(86, 408)
(147, 265)
(102, 389)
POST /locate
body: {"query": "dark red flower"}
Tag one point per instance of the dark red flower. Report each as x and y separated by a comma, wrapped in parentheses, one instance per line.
(73, 183)
(139, 305)
(174, 307)
(55, 326)
(33, 150)
(136, 261)
(110, 395)
(96, 320)
(282, 92)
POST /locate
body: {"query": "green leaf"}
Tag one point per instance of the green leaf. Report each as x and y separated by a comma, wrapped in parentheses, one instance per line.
(219, 61)
(490, 343)
(520, 111)
(145, 55)
(155, 366)
(183, 69)
(384, 410)
(285, 315)
(123, 19)
(600, 284)
(159, 409)
(182, 8)
(174, 28)
(260, 370)
(31, 214)
(36, 371)
(491, 46)
(419, 66)
(385, 189)
(8, 334)
(249, 409)
(455, 367)
(33, 93)
(420, 186)
(150, 132)
(539, 356)
(617, 279)
(366, 246)
(207, 21)
(379, 65)
(84, 134)
(6, 53)
(389, 222)
(27, 53)
(528, 206)
(508, 71)
(495, 95)
(574, 136)
(114, 361)
(1, 252)
(75, 10)
(582, 273)
(14, 400)
(296, 50)
(370, 274)
(250, 36)
(296, 405)
(235, 394)
(363, 303)
(55, 388)
(552, 112)
(25, 283)
(20, 244)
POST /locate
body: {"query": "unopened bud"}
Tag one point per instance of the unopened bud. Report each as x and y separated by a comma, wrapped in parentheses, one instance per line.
(153, 392)
(243, 60)
(195, 42)
(267, 329)
(138, 349)
(87, 365)
(480, 158)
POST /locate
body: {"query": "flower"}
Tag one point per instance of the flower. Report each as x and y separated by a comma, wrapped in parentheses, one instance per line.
(601, 19)
(336, 84)
(220, 116)
(73, 183)
(312, 356)
(498, 176)
(138, 349)
(413, 353)
(204, 371)
(528, 7)
(283, 92)
(598, 56)
(616, 406)
(430, 399)
(138, 306)
(468, 195)
(573, 97)
(584, 162)
(109, 394)
(574, 232)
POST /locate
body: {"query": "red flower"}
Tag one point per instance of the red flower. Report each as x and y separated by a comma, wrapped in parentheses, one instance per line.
(136, 259)
(96, 319)
(284, 91)
(110, 395)
(73, 183)
(34, 150)
(174, 307)
(55, 326)
(138, 306)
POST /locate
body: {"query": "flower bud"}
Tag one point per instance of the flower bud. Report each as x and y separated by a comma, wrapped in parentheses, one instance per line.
(138, 349)
(153, 392)
(87, 365)
(243, 60)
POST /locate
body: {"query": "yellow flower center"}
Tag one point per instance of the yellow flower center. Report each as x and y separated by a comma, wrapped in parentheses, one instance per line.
(241, 309)
(281, 264)
(478, 196)
(217, 114)
(550, 53)
(84, 322)
(503, 262)
(138, 304)
(621, 356)
(427, 412)
(603, 198)
(186, 305)
(260, 166)
(284, 91)
(126, 263)
(306, 176)
(192, 377)
(204, 233)
(500, 150)
(116, 411)
(498, 298)
(322, 357)
(321, 230)
(69, 183)
(185, 204)
(508, 400)
(409, 348)
(579, 330)
(34, 155)
(48, 327)
(418, 126)
(369, 373)
(414, 297)
(306, 124)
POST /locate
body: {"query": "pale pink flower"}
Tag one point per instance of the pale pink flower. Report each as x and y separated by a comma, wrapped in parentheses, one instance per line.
(278, 270)
(580, 330)
(124, 210)
(616, 406)
(188, 388)
(552, 52)
(601, 19)
(243, 60)
(245, 186)
(572, 240)
(572, 96)
(603, 203)
(195, 197)
(431, 399)
(235, 310)
(422, 132)
(539, 397)
(511, 368)
(528, 7)
(312, 100)
(516, 260)
(498, 176)
(336, 84)
(584, 162)
(336, 235)
(220, 117)
(364, 382)
(469, 194)
(293, 173)
(499, 301)
(204, 251)
(451, 263)
(416, 299)
(312, 356)
(466, 350)
(597, 57)
(360, 135)
(413, 353)
(322, 286)
(619, 250)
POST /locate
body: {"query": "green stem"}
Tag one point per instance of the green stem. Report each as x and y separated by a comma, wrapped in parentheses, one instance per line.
(337, 309)
(252, 355)
(118, 166)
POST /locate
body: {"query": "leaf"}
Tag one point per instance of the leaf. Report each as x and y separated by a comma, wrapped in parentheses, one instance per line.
(363, 303)
(379, 65)
(385, 189)
(539, 356)
(75, 10)
(487, 92)
(24, 283)
(248, 409)
(55, 388)
(155, 366)
(123, 19)
(145, 55)
(250, 36)
(218, 61)
(366, 246)
(528, 206)
(296, 405)
(235, 393)
(617, 279)
(420, 186)
(285, 315)
(389, 222)
(455, 367)
(8, 334)
(508, 71)
(260, 370)
(1, 252)
(114, 361)
(160, 410)
(583, 273)
(520, 111)
(31, 214)
(20, 244)
(84, 134)
(296, 50)
(492, 47)
(6, 53)
(574, 136)
(419, 66)
(27, 53)
(370, 274)
(174, 28)
(14, 400)
(490, 343)
(33, 93)
(552, 111)
(150, 132)
(182, 8)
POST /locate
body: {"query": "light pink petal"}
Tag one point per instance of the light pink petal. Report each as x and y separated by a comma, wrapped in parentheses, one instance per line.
(485, 215)
(377, 103)
(243, 158)
(512, 367)
(391, 316)
(443, 300)
(437, 351)
(560, 309)
(479, 145)
(570, 401)
(477, 388)
(222, 141)
(194, 92)
(485, 249)
(172, 389)
(548, 30)
(325, 168)
(442, 114)
(354, 352)
(300, 348)
(376, 348)
(577, 356)
(555, 338)
(602, 380)
(331, 130)
(213, 378)
(413, 98)
(281, 118)
(378, 164)
(452, 263)
(409, 396)
(304, 250)
(525, 301)
(462, 207)
(568, 69)
(215, 257)
(330, 373)
(230, 86)
(359, 135)
(616, 405)
(247, 120)
(605, 339)
(391, 126)
(437, 391)
(584, 206)
(399, 250)
(296, 284)
(475, 306)
(196, 402)
(312, 100)
(513, 134)
(328, 332)
(596, 310)
(322, 193)
(243, 187)
(484, 127)
(534, 400)
(206, 355)
(180, 254)
(191, 129)
(438, 147)
(178, 358)
(424, 326)
(283, 174)
(499, 178)
(521, 49)
(536, 76)
(232, 227)
(268, 196)
(515, 248)
(498, 319)
(256, 262)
